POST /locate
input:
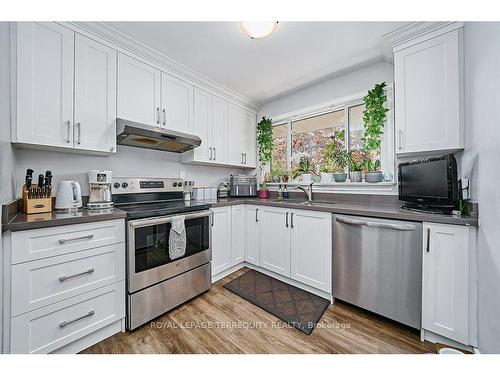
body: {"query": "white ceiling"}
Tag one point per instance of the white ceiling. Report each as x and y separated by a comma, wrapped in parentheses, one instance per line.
(295, 55)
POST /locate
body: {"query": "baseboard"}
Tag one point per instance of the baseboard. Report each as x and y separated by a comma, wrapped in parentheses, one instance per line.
(434, 338)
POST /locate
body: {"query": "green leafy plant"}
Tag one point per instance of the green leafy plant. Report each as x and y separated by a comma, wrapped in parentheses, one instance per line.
(355, 166)
(326, 168)
(371, 165)
(303, 167)
(265, 140)
(374, 117)
(263, 185)
(335, 154)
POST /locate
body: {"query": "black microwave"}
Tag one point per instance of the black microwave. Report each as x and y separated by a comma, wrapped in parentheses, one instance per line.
(429, 182)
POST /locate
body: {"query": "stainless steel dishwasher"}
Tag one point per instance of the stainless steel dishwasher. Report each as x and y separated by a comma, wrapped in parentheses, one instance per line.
(377, 265)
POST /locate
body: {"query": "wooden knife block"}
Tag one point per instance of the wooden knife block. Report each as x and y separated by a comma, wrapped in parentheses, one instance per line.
(35, 205)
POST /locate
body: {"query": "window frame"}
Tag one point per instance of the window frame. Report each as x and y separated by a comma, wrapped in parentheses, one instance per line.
(387, 154)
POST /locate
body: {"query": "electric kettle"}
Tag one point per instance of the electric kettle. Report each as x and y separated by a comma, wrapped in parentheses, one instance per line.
(69, 196)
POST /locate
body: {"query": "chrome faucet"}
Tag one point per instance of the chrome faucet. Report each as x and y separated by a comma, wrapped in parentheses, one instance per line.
(308, 191)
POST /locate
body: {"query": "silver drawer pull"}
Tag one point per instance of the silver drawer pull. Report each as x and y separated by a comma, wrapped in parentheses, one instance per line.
(63, 278)
(88, 315)
(64, 240)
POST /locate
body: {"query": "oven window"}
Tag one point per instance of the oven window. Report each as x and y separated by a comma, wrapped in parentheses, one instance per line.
(151, 243)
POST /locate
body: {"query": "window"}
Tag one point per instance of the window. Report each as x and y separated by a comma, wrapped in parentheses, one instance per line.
(308, 137)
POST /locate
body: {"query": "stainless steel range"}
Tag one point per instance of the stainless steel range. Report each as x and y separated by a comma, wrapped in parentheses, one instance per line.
(156, 280)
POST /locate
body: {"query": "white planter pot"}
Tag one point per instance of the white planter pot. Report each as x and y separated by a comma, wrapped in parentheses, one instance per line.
(326, 178)
(306, 178)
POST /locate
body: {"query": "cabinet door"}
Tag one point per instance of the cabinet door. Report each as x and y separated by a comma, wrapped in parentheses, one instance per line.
(95, 96)
(311, 248)
(274, 227)
(446, 281)
(252, 244)
(138, 91)
(177, 104)
(45, 63)
(221, 239)
(220, 108)
(250, 147)
(237, 234)
(203, 124)
(429, 95)
(236, 131)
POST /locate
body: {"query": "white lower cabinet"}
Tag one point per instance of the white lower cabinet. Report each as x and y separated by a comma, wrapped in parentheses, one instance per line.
(274, 226)
(311, 248)
(237, 234)
(64, 284)
(221, 239)
(252, 234)
(445, 294)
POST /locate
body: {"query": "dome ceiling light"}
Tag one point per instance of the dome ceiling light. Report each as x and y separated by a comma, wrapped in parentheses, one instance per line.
(259, 30)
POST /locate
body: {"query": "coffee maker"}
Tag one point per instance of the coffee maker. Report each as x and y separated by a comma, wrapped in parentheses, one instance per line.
(100, 190)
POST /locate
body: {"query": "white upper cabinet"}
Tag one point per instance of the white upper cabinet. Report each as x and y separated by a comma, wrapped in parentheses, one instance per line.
(445, 296)
(176, 104)
(44, 84)
(219, 137)
(311, 248)
(139, 90)
(242, 142)
(428, 78)
(95, 96)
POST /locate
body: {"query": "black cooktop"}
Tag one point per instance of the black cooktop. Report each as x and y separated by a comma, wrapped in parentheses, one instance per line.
(171, 207)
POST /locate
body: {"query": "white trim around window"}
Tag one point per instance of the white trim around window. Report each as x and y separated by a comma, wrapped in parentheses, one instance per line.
(387, 154)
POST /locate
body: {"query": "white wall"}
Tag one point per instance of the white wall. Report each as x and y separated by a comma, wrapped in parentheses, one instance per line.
(338, 87)
(128, 161)
(480, 162)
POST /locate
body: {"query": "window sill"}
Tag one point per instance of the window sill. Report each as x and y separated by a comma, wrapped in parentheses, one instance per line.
(344, 187)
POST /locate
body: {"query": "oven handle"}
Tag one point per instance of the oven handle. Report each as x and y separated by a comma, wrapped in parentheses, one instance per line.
(166, 219)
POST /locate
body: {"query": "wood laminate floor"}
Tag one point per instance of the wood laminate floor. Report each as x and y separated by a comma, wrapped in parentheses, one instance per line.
(219, 321)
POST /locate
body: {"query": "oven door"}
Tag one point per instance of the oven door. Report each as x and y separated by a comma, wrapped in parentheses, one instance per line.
(148, 250)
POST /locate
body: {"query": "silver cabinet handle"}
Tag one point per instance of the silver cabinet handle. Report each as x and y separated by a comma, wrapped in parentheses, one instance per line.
(286, 221)
(400, 139)
(79, 127)
(164, 117)
(88, 315)
(241, 158)
(245, 159)
(213, 218)
(64, 240)
(68, 130)
(256, 215)
(215, 153)
(428, 246)
(158, 115)
(64, 278)
(404, 227)
(210, 155)
(291, 220)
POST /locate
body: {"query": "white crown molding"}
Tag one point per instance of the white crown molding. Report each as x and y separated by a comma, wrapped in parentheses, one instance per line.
(410, 32)
(129, 45)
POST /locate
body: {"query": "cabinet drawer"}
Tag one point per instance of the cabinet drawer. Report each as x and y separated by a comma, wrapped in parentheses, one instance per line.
(48, 242)
(52, 327)
(42, 282)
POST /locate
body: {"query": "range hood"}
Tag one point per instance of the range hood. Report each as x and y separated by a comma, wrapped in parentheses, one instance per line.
(135, 134)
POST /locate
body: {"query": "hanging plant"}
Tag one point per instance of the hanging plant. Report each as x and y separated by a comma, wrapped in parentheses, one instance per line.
(374, 117)
(265, 140)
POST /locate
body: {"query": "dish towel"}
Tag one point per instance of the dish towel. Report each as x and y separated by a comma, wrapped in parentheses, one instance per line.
(177, 238)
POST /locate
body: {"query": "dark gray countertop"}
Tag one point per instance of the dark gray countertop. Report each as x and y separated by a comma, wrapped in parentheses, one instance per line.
(388, 211)
(21, 221)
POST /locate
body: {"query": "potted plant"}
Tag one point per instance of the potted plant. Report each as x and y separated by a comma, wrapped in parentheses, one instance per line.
(372, 170)
(374, 117)
(265, 149)
(304, 169)
(341, 159)
(263, 192)
(285, 176)
(355, 170)
(326, 171)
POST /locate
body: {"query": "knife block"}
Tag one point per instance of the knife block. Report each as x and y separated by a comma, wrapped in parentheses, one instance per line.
(35, 205)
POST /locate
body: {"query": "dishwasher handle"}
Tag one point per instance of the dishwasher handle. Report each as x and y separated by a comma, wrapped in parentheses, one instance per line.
(404, 227)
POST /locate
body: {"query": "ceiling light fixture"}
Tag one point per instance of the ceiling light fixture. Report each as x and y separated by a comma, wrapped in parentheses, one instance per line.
(259, 30)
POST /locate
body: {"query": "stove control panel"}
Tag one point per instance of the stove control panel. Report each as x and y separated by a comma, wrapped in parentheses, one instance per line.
(134, 185)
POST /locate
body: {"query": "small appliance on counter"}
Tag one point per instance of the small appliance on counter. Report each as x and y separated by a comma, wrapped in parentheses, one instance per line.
(100, 190)
(68, 196)
(37, 198)
(241, 185)
(223, 190)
